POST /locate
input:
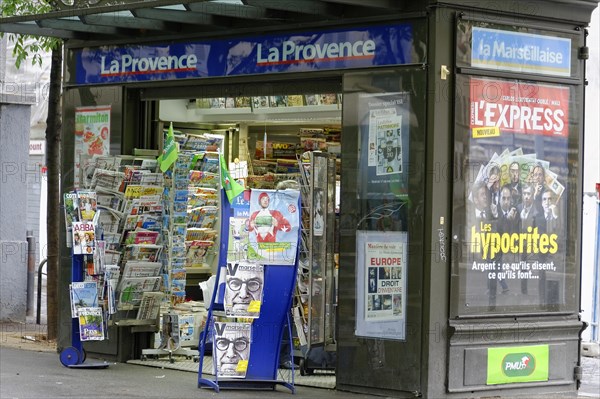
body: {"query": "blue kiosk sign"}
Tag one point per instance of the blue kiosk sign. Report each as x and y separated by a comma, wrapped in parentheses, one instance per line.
(291, 52)
(520, 52)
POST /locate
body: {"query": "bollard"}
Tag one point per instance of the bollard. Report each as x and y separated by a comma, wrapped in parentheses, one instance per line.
(30, 271)
(38, 311)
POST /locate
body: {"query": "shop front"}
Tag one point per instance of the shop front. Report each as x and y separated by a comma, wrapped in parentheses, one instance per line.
(443, 240)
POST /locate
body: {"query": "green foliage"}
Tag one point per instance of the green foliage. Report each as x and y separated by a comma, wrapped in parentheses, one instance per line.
(24, 49)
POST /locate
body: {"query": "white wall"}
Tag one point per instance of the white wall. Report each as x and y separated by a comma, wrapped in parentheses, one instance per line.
(590, 229)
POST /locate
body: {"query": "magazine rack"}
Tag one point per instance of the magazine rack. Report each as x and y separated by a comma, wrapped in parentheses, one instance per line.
(267, 330)
(74, 355)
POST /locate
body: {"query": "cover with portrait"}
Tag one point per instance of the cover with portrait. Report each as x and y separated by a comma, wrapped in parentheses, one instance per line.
(231, 348)
(273, 226)
(516, 170)
(244, 283)
(84, 238)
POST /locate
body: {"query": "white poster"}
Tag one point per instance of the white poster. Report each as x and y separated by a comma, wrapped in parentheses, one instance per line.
(381, 284)
(92, 135)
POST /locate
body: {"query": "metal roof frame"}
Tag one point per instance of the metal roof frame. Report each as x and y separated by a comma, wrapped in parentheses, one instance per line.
(110, 21)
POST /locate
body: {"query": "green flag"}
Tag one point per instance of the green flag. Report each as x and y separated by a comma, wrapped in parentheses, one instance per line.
(231, 187)
(169, 155)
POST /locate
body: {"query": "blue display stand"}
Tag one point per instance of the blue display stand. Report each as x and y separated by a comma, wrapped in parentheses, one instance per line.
(74, 355)
(267, 330)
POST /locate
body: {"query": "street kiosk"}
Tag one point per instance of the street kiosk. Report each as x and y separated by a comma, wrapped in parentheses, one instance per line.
(460, 163)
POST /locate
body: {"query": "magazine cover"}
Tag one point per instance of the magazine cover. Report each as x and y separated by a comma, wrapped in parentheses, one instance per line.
(86, 205)
(150, 305)
(516, 171)
(260, 102)
(231, 348)
(91, 324)
(83, 295)
(84, 238)
(142, 269)
(273, 226)
(142, 252)
(71, 209)
(132, 289)
(243, 289)
(169, 332)
(187, 329)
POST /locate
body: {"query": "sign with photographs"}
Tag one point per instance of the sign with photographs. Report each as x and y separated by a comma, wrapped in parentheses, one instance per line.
(92, 135)
(381, 284)
(384, 134)
(516, 174)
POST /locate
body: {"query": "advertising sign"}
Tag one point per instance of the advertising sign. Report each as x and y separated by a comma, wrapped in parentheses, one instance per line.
(92, 134)
(521, 52)
(273, 226)
(523, 108)
(292, 52)
(517, 364)
(381, 284)
(384, 136)
(515, 210)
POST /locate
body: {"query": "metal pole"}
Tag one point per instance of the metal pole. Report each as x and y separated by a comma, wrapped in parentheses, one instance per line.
(595, 305)
(30, 270)
(39, 293)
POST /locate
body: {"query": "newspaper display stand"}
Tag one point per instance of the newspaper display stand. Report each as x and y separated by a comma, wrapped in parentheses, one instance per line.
(315, 304)
(267, 330)
(74, 356)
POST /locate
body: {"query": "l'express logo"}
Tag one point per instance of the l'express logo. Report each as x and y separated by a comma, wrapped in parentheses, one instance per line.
(291, 53)
(518, 364)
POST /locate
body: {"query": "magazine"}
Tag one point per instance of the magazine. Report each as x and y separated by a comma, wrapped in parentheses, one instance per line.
(231, 348)
(260, 102)
(142, 269)
(278, 101)
(150, 305)
(295, 101)
(83, 294)
(273, 225)
(202, 217)
(196, 252)
(169, 332)
(71, 209)
(109, 219)
(99, 257)
(87, 205)
(91, 324)
(243, 289)
(141, 237)
(132, 289)
(187, 327)
(84, 240)
(142, 252)
(107, 180)
(112, 273)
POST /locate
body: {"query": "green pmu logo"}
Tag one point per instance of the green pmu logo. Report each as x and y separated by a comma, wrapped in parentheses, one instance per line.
(518, 364)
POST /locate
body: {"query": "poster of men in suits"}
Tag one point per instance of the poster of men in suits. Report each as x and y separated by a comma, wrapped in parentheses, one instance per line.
(516, 173)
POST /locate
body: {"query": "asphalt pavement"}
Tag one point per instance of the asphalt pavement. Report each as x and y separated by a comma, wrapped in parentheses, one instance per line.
(26, 373)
